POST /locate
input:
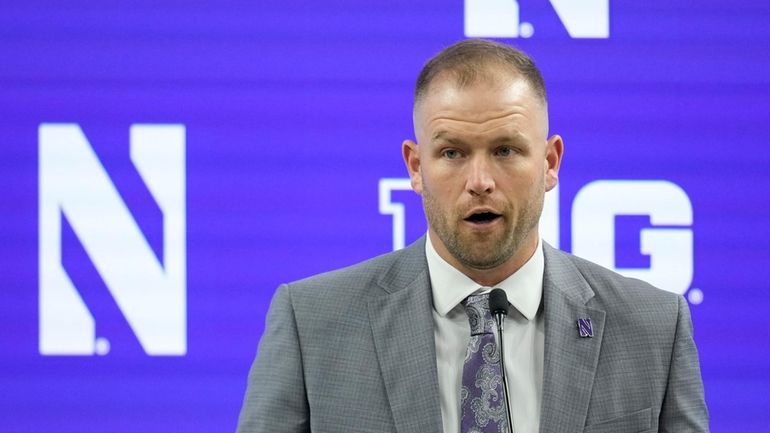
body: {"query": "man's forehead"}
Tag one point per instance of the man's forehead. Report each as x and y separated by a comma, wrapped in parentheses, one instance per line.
(479, 101)
(445, 88)
(481, 96)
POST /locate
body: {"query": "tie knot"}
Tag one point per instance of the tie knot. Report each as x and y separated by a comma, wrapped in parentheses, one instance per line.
(477, 308)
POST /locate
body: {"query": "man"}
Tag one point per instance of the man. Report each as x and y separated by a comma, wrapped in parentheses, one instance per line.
(392, 344)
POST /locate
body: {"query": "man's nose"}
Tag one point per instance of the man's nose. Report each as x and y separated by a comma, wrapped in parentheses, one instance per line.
(480, 180)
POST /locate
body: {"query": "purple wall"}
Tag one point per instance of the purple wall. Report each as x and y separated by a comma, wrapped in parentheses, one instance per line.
(293, 112)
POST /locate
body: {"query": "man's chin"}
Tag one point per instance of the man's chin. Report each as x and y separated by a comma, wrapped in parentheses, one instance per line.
(481, 259)
(483, 266)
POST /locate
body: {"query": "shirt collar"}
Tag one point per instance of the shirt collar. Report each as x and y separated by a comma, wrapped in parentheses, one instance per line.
(524, 287)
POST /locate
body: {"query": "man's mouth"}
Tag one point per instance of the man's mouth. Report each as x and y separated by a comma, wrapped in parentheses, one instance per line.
(482, 218)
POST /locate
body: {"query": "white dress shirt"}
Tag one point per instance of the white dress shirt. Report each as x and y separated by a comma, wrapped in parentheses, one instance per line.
(523, 333)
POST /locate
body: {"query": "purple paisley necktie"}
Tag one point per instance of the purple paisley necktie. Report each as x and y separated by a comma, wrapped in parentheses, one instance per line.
(483, 401)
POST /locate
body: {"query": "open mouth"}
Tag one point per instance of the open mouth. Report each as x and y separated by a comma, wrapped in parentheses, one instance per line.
(482, 218)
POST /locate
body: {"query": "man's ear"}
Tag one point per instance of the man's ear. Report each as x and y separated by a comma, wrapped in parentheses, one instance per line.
(412, 160)
(553, 154)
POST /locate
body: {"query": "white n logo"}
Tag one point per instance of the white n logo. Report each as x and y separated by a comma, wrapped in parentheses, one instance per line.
(151, 295)
(500, 18)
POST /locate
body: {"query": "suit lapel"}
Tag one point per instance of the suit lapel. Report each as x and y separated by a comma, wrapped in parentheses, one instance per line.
(570, 361)
(402, 328)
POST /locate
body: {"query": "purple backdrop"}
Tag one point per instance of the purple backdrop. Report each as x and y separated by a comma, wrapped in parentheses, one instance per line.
(293, 111)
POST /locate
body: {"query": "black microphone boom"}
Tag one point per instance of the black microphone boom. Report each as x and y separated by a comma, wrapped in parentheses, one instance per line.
(498, 306)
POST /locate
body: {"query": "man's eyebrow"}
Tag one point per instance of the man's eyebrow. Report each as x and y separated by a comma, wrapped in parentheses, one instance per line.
(515, 138)
(443, 136)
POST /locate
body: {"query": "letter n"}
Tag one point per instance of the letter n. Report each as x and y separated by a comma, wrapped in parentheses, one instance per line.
(151, 295)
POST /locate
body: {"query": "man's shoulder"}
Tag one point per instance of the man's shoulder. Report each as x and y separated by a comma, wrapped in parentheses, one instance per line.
(387, 271)
(636, 312)
(615, 290)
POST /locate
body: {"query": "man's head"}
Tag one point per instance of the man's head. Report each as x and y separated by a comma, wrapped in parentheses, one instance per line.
(476, 60)
(483, 160)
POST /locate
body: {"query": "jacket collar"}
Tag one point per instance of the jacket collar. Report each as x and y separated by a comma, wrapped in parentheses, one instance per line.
(402, 329)
(570, 360)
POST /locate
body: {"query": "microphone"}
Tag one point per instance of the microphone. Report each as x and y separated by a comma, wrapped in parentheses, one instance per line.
(498, 303)
(498, 306)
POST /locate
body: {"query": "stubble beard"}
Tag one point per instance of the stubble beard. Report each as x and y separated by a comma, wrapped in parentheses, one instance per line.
(483, 250)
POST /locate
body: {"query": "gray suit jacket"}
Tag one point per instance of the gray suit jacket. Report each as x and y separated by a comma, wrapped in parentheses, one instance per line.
(353, 351)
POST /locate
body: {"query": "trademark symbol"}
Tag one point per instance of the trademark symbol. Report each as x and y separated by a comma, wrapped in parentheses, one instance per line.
(695, 296)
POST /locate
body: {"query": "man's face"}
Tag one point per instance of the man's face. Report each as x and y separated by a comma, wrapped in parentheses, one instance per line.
(482, 163)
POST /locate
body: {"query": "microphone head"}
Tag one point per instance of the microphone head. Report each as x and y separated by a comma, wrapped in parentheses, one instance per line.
(498, 302)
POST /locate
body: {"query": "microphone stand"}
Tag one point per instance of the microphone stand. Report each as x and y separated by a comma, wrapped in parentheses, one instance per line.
(499, 318)
(498, 306)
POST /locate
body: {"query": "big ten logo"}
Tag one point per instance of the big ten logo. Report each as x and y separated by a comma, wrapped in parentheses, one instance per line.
(149, 291)
(664, 239)
(501, 18)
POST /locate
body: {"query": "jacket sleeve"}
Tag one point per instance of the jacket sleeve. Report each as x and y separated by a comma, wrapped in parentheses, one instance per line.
(684, 407)
(275, 398)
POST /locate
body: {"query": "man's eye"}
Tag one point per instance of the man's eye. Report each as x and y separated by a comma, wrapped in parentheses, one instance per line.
(450, 154)
(505, 151)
